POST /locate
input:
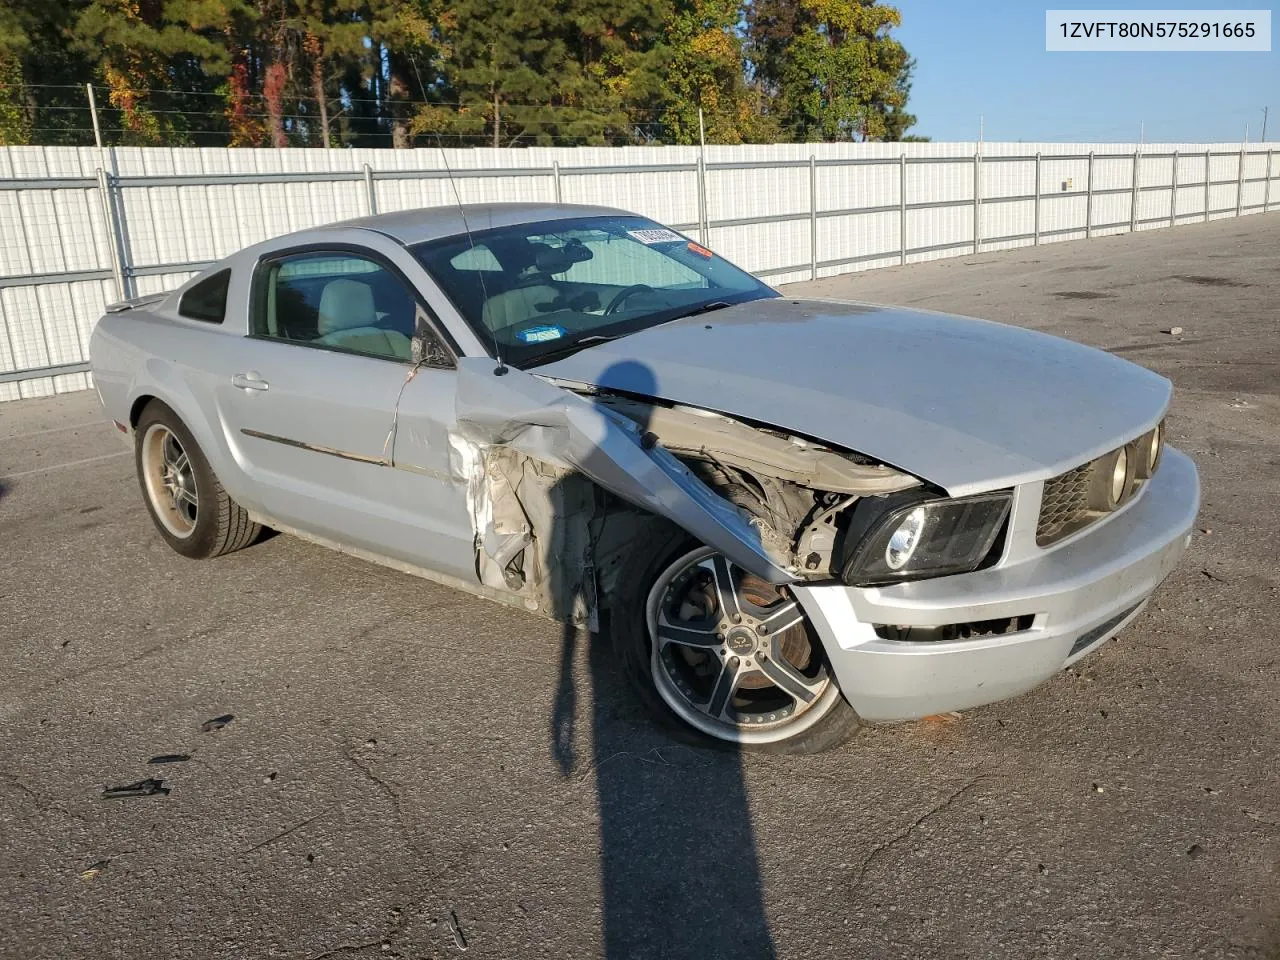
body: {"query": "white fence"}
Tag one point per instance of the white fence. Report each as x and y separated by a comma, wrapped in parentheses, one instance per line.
(81, 227)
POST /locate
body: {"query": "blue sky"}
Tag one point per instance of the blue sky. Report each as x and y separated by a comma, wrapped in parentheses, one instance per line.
(987, 57)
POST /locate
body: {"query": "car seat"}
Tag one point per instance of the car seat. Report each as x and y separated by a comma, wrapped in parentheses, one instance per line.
(348, 319)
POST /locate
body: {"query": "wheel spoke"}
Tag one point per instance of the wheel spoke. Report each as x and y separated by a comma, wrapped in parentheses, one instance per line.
(790, 680)
(169, 449)
(722, 693)
(685, 635)
(186, 496)
(782, 616)
(182, 463)
(726, 591)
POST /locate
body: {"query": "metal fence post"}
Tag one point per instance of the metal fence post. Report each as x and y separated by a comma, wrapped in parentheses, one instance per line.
(1208, 180)
(1133, 195)
(1088, 200)
(1266, 187)
(1035, 232)
(370, 194)
(902, 208)
(977, 200)
(813, 217)
(1173, 193)
(1240, 186)
(555, 174)
(702, 202)
(113, 233)
(93, 113)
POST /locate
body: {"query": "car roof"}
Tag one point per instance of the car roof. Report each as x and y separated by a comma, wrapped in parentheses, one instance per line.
(434, 223)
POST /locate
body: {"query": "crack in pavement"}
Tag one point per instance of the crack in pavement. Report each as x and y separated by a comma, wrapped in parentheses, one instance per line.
(43, 803)
(348, 948)
(284, 833)
(398, 918)
(391, 794)
(88, 671)
(911, 828)
(652, 756)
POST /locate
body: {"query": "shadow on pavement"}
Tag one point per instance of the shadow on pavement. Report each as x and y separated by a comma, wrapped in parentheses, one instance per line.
(679, 872)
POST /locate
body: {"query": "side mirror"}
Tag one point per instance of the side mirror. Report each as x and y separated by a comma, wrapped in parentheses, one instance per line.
(426, 348)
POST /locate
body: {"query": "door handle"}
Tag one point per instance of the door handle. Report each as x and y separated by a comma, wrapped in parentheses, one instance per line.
(249, 381)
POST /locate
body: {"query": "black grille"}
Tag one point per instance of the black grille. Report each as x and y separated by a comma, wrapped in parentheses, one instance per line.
(1090, 637)
(1064, 508)
(954, 631)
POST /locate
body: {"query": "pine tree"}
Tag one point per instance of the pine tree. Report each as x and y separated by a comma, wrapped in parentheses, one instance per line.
(143, 50)
(707, 71)
(15, 112)
(831, 67)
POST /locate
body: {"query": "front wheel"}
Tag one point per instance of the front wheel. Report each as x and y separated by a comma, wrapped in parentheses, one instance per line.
(724, 653)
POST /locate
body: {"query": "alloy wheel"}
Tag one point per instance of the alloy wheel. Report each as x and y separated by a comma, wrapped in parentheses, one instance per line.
(170, 480)
(733, 655)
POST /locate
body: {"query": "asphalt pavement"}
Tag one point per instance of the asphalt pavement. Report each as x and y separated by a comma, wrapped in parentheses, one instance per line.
(376, 766)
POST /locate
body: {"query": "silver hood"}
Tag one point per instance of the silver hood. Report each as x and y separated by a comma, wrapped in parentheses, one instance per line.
(965, 404)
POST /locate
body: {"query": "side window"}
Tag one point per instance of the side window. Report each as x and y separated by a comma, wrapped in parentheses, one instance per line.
(335, 300)
(207, 300)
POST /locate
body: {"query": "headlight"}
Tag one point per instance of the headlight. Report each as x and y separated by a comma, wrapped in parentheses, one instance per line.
(1119, 474)
(890, 541)
(1112, 480)
(1148, 449)
(904, 540)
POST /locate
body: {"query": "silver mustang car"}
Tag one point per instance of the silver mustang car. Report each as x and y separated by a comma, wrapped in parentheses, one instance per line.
(788, 516)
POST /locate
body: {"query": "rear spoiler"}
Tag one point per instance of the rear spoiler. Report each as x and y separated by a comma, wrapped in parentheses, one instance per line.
(134, 302)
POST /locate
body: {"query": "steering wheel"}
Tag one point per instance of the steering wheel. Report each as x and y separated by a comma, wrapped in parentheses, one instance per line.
(616, 303)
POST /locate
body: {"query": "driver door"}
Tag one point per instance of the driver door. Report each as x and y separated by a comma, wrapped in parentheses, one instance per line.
(313, 419)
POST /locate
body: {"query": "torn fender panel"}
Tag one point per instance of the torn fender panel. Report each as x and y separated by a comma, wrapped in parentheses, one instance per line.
(548, 423)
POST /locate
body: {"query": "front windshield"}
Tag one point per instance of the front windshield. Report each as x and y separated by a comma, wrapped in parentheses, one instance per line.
(541, 290)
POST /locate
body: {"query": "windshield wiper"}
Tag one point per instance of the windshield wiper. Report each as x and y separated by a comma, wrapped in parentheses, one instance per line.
(573, 347)
(589, 341)
(704, 308)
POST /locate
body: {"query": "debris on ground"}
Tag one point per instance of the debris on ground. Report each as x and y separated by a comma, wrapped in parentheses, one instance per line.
(143, 788)
(1173, 331)
(1195, 851)
(456, 929)
(170, 758)
(1214, 577)
(217, 723)
(93, 871)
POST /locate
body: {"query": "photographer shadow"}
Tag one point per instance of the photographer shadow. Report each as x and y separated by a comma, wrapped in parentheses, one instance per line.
(680, 877)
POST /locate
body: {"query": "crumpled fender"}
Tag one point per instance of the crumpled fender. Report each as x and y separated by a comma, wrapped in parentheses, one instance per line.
(548, 423)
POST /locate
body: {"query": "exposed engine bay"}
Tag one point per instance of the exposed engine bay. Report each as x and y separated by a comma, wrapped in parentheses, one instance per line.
(549, 530)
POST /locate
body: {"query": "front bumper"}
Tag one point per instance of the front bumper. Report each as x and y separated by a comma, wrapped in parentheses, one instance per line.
(1080, 593)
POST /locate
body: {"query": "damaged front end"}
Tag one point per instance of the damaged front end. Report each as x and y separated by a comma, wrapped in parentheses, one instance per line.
(560, 483)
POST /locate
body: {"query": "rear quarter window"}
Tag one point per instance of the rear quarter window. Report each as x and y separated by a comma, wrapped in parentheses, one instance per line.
(207, 300)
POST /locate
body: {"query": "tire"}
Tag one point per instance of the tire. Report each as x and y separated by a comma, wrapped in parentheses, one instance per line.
(668, 683)
(183, 495)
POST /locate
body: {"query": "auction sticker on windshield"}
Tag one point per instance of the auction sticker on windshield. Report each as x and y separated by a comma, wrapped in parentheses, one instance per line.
(655, 236)
(540, 334)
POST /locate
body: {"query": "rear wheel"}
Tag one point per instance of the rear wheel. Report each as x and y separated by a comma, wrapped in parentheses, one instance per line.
(183, 495)
(724, 653)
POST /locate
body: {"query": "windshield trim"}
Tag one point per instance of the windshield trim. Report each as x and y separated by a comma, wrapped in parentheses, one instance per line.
(609, 332)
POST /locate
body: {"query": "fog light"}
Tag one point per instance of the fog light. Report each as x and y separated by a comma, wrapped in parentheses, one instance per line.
(905, 539)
